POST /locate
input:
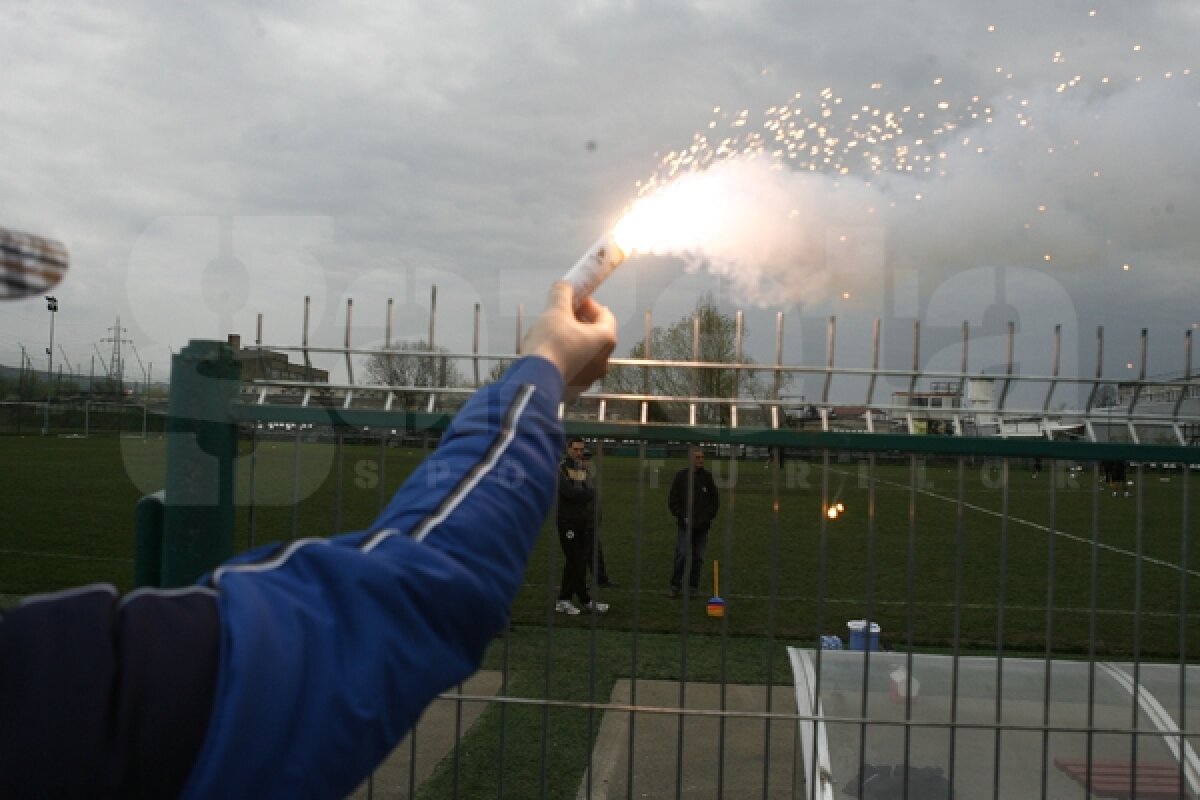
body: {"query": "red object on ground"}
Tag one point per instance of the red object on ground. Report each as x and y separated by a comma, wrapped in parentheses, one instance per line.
(1115, 779)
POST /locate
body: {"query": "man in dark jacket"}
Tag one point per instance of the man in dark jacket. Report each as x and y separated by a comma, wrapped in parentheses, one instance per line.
(576, 521)
(693, 502)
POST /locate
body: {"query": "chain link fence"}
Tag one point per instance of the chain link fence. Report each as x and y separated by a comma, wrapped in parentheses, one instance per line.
(974, 586)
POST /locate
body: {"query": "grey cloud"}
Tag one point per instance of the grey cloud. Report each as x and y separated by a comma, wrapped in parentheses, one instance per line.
(453, 136)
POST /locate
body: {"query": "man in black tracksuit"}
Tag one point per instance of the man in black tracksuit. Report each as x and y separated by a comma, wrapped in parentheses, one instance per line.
(694, 484)
(576, 520)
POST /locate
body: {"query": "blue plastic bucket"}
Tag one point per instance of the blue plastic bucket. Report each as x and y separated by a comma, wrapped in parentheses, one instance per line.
(859, 637)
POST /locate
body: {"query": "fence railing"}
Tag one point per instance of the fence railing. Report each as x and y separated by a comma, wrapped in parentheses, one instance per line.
(1035, 606)
(81, 417)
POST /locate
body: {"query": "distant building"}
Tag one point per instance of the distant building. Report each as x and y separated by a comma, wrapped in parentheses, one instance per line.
(969, 408)
(1175, 397)
(260, 364)
(807, 416)
(1162, 397)
(936, 409)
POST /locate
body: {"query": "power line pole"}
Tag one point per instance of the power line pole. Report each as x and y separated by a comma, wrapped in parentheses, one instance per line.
(117, 372)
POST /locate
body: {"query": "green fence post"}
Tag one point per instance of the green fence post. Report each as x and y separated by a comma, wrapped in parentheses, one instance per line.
(201, 450)
(147, 549)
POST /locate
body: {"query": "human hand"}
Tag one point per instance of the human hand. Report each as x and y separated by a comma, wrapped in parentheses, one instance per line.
(576, 341)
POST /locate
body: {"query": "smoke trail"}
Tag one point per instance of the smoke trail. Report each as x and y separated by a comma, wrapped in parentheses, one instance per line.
(772, 232)
(1092, 182)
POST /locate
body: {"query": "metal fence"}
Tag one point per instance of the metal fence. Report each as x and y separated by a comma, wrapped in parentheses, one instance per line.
(81, 417)
(1016, 577)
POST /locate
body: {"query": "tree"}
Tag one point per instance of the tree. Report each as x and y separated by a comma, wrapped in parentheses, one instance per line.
(27, 385)
(412, 364)
(717, 343)
(106, 387)
(1105, 395)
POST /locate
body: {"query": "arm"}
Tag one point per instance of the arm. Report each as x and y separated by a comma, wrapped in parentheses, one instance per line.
(570, 491)
(294, 670)
(88, 709)
(678, 497)
(331, 649)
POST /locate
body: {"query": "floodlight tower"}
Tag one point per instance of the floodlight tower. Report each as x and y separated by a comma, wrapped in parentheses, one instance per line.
(52, 307)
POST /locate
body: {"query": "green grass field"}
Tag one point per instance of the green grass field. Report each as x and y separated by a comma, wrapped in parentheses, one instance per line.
(787, 575)
(785, 571)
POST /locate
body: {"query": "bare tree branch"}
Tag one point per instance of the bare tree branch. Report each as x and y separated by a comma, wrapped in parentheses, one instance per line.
(717, 343)
(413, 364)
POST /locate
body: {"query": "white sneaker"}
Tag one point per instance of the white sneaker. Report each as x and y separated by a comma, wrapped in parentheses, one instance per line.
(596, 607)
(566, 607)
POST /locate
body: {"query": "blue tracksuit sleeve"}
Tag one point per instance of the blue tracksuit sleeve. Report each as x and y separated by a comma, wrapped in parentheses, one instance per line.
(332, 648)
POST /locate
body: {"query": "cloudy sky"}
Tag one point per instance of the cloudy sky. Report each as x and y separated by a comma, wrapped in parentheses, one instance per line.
(206, 163)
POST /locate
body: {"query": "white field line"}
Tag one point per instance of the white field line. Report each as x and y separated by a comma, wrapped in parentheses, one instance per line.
(65, 556)
(1163, 722)
(1037, 526)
